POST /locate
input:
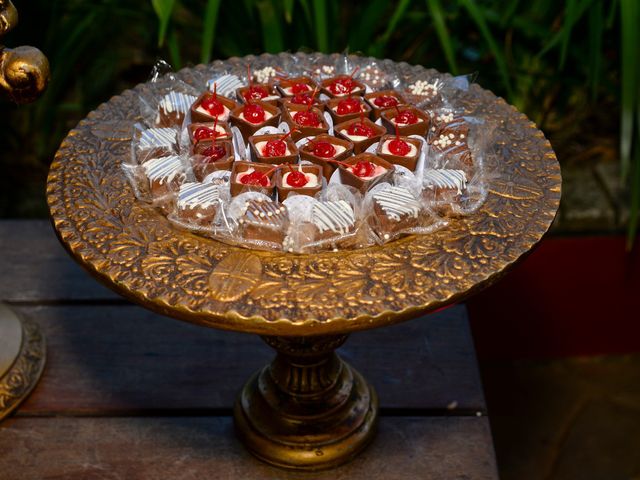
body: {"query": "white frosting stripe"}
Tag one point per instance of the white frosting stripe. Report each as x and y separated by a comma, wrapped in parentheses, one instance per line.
(177, 102)
(397, 202)
(193, 195)
(158, 137)
(335, 216)
(163, 169)
(445, 178)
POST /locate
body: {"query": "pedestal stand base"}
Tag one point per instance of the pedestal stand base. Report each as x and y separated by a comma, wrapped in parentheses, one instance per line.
(22, 359)
(307, 410)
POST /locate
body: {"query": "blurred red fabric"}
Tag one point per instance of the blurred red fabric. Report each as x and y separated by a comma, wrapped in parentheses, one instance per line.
(571, 296)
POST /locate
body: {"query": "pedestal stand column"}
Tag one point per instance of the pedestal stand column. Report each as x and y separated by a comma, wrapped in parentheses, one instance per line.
(308, 409)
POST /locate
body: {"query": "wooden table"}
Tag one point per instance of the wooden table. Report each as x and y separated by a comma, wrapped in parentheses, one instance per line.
(128, 394)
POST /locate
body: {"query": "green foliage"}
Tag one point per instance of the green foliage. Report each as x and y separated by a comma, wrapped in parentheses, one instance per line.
(556, 61)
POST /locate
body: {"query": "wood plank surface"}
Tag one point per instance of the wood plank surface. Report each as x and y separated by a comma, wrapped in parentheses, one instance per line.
(441, 448)
(35, 266)
(124, 359)
(128, 394)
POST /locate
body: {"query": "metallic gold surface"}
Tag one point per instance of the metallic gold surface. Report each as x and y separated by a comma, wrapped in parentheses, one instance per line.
(308, 410)
(22, 359)
(133, 248)
(24, 71)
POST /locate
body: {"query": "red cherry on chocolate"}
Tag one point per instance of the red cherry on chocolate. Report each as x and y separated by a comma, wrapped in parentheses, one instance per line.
(399, 147)
(307, 118)
(363, 168)
(348, 105)
(406, 117)
(274, 148)
(385, 101)
(255, 92)
(213, 106)
(360, 129)
(342, 86)
(300, 88)
(214, 152)
(297, 179)
(255, 178)
(253, 113)
(324, 150)
(302, 99)
(202, 133)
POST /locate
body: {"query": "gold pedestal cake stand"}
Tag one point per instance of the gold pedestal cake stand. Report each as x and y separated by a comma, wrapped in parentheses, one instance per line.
(308, 409)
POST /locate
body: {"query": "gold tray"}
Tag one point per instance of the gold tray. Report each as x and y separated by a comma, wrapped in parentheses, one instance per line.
(132, 247)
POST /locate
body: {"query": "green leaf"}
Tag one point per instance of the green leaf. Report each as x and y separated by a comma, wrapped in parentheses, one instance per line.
(209, 29)
(596, 30)
(630, 15)
(320, 23)
(634, 213)
(174, 50)
(287, 6)
(362, 31)
(163, 9)
(271, 28)
(437, 16)
(508, 13)
(478, 17)
(307, 10)
(398, 14)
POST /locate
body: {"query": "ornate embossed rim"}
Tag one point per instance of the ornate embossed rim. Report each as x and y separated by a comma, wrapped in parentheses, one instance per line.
(470, 254)
(18, 382)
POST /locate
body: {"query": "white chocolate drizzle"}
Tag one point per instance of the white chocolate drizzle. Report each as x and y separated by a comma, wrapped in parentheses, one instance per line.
(335, 216)
(193, 195)
(397, 202)
(176, 102)
(163, 169)
(157, 137)
(444, 179)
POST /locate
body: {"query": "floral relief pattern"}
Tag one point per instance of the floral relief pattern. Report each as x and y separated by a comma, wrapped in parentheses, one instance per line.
(135, 249)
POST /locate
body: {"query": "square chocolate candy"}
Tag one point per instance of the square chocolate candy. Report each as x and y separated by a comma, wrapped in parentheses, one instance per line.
(262, 178)
(365, 170)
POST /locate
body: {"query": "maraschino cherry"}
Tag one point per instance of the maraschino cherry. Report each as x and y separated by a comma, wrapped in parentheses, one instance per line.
(323, 149)
(302, 99)
(276, 147)
(211, 104)
(348, 105)
(363, 168)
(406, 117)
(300, 88)
(254, 92)
(307, 118)
(344, 85)
(385, 101)
(203, 133)
(361, 129)
(214, 152)
(296, 178)
(253, 113)
(399, 147)
(256, 178)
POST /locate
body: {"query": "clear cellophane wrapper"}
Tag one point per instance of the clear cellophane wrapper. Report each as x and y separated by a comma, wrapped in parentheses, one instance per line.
(331, 220)
(435, 95)
(393, 211)
(156, 172)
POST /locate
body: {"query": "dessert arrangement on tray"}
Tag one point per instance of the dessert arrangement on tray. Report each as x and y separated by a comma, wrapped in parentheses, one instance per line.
(313, 158)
